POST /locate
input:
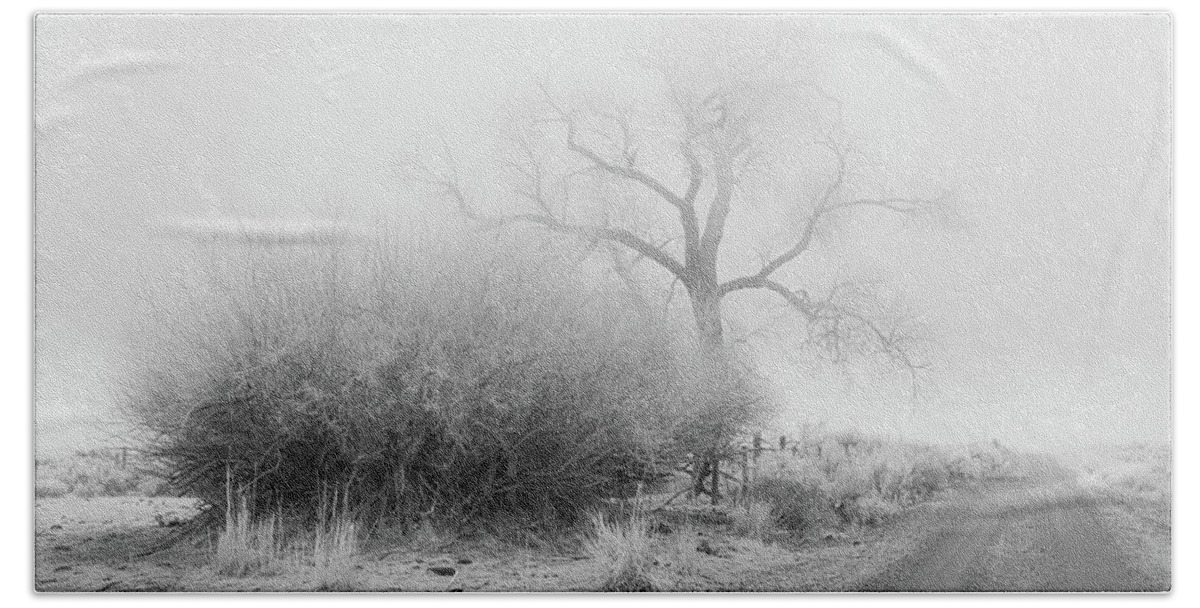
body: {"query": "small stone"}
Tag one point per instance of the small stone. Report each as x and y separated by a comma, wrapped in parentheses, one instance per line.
(443, 570)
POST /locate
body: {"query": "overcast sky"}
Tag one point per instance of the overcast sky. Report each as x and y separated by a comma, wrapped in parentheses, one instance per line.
(1049, 295)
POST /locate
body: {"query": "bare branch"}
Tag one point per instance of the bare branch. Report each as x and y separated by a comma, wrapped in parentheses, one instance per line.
(448, 185)
(824, 207)
(616, 235)
(832, 326)
(626, 171)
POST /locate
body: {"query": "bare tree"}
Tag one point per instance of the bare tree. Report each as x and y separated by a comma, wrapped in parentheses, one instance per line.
(663, 189)
(570, 163)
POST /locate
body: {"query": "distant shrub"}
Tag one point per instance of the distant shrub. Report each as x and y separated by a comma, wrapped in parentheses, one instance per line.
(753, 519)
(929, 474)
(865, 480)
(50, 488)
(97, 473)
(869, 510)
(852, 481)
(795, 505)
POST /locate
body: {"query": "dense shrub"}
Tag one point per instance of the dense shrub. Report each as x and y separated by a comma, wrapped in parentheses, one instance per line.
(795, 506)
(517, 387)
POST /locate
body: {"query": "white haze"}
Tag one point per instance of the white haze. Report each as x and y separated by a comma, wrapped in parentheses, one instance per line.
(1049, 296)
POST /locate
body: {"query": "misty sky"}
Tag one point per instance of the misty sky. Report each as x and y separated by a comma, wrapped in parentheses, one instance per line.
(1048, 295)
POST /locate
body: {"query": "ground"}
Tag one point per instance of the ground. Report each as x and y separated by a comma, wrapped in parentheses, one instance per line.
(1055, 530)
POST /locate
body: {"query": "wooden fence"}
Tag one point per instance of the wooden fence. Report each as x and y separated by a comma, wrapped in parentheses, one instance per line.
(730, 473)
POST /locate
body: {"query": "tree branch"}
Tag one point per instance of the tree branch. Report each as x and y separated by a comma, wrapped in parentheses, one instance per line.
(626, 171)
(617, 235)
(823, 208)
(833, 323)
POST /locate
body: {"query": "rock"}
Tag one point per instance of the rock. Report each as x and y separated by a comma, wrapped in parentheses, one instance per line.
(464, 561)
(443, 570)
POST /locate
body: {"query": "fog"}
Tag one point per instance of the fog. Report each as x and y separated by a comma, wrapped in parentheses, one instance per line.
(1045, 291)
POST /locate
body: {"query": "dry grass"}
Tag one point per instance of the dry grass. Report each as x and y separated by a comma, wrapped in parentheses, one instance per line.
(335, 555)
(247, 546)
(862, 481)
(86, 474)
(623, 551)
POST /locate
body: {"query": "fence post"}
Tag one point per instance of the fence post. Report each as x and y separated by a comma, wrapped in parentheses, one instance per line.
(693, 493)
(745, 492)
(757, 452)
(716, 479)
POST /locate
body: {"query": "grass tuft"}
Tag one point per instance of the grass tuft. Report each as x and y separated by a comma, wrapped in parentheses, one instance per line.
(335, 555)
(624, 553)
(247, 546)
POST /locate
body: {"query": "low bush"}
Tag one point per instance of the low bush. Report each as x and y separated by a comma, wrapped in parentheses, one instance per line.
(97, 473)
(795, 505)
(851, 479)
(929, 474)
(869, 510)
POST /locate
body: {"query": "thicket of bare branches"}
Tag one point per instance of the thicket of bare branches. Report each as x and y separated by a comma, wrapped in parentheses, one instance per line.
(449, 386)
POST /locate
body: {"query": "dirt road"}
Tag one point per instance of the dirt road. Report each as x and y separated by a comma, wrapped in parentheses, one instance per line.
(1043, 534)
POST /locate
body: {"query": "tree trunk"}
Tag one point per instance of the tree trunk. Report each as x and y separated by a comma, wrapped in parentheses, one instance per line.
(706, 309)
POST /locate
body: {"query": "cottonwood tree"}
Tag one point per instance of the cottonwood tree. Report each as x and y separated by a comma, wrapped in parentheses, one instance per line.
(661, 186)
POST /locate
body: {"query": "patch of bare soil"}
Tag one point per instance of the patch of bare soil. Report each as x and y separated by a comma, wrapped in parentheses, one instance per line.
(111, 543)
